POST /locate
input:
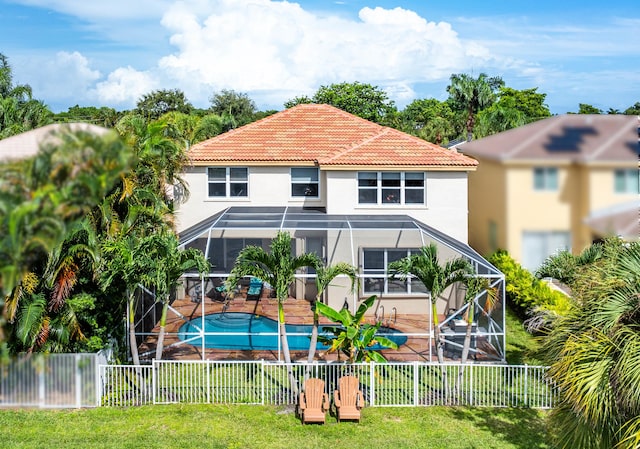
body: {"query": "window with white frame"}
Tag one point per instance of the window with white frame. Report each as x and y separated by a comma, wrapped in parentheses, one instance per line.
(375, 262)
(391, 188)
(545, 178)
(224, 182)
(626, 180)
(538, 245)
(305, 181)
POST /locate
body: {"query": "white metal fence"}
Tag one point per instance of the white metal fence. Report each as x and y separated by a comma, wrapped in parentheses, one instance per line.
(387, 384)
(51, 381)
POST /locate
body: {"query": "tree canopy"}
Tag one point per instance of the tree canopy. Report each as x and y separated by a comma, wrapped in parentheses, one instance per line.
(361, 99)
(159, 102)
(235, 108)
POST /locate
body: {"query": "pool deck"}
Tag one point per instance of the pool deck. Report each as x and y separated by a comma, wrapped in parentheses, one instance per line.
(296, 312)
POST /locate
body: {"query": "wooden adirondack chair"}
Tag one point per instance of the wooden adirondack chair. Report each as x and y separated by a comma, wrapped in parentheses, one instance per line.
(314, 402)
(348, 398)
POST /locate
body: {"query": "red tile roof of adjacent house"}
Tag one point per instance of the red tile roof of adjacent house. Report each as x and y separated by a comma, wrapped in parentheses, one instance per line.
(571, 138)
(319, 134)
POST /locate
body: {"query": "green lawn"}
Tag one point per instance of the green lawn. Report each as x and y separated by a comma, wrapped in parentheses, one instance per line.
(521, 345)
(249, 426)
(246, 426)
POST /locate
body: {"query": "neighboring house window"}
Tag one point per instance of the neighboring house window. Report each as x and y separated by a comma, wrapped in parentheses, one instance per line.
(226, 182)
(545, 178)
(305, 182)
(538, 245)
(391, 188)
(627, 181)
(376, 279)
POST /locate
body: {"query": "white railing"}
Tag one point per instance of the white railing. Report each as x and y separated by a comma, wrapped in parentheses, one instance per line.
(383, 385)
(51, 381)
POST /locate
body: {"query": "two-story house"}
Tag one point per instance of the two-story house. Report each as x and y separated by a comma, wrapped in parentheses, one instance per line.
(343, 187)
(559, 183)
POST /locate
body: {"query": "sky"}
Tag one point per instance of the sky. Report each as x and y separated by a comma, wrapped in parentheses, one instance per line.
(111, 53)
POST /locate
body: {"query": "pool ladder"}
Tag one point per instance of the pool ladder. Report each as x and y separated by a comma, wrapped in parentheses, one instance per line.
(380, 315)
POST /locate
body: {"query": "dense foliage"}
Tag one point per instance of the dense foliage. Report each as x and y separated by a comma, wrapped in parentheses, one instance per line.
(594, 353)
(526, 294)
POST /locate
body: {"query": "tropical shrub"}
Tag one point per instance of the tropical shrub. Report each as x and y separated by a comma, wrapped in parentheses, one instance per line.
(525, 293)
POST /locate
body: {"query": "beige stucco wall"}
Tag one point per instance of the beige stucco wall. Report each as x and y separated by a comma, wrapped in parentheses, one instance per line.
(268, 186)
(446, 207)
(487, 203)
(503, 192)
(531, 210)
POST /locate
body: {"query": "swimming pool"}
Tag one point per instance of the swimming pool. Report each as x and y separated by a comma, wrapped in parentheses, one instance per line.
(245, 331)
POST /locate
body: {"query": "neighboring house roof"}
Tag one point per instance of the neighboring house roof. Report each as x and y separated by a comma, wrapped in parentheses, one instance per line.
(319, 134)
(622, 220)
(28, 144)
(572, 138)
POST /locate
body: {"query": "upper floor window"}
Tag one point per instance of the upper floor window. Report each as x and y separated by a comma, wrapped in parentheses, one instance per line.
(545, 178)
(226, 182)
(305, 181)
(627, 181)
(391, 188)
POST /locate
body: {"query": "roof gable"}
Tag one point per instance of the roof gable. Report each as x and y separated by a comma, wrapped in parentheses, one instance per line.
(319, 134)
(572, 137)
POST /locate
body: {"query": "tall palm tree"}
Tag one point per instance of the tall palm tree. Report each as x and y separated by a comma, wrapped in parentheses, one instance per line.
(594, 353)
(324, 276)
(426, 267)
(277, 267)
(473, 94)
(164, 264)
(50, 193)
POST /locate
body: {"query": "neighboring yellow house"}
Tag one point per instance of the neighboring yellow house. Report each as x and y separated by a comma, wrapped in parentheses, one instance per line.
(559, 183)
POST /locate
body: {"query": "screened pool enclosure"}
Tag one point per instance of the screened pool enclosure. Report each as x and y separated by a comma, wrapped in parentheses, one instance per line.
(368, 242)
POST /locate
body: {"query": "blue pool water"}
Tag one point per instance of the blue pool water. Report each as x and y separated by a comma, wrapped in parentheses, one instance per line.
(245, 331)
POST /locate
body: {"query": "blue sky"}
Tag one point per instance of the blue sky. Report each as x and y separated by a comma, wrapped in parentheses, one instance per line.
(99, 53)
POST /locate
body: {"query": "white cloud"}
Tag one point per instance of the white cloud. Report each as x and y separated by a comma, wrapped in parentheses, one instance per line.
(275, 50)
(260, 45)
(66, 76)
(124, 86)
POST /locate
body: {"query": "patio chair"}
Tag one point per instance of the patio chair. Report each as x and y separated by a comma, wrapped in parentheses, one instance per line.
(218, 292)
(254, 291)
(314, 402)
(348, 399)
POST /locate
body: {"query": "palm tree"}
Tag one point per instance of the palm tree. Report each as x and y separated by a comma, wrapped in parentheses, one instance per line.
(426, 267)
(164, 264)
(473, 94)
(43, 200)
(324, 276)
(474, 287)
(277, 267)
(19, 112)
(594, 353)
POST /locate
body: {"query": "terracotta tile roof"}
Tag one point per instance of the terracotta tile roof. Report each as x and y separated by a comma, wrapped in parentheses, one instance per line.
(572, 138)
(310, 134)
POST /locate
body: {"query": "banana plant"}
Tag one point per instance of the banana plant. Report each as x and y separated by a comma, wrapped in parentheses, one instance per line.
(354, 337)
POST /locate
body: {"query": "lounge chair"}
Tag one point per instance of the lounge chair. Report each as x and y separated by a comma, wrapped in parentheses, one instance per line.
(219, 290)
(348, 398)
(314, 402)
(254, 291)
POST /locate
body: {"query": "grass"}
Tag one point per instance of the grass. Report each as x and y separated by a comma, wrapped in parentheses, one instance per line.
(522, 347)
(245, 426)
(250, 426)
